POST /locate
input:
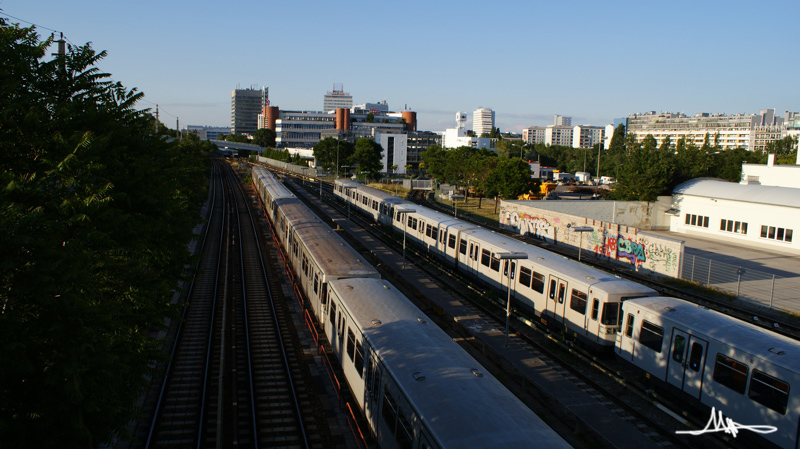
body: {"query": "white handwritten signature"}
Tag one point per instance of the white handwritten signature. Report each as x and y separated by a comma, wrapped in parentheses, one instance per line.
(727, 425)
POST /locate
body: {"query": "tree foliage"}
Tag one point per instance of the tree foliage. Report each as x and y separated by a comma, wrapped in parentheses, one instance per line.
(367, 157)
(96, 211)
(329, 151)
(509, 179)
(264, 137)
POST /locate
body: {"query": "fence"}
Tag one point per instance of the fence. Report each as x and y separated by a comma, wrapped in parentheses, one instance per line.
(769, 290)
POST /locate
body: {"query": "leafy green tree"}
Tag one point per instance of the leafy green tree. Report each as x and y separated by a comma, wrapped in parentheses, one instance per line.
(645, 173)
(617, 145)
(727, 164)
(236, 138)
(367, 157)
(434, 159)
(264, 137)
(95, 211)
(509, 179)
(787, 145)
(329, 151)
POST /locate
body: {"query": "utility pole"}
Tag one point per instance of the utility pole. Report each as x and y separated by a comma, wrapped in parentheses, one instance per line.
(177, 128)
(156, 124)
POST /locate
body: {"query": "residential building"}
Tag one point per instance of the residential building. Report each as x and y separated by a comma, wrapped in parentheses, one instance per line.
(337, 99)
(751, 132)
(246, 104)
(561, 121)
(587, 136)
(534, 134)
(559, 135)
(482, 121)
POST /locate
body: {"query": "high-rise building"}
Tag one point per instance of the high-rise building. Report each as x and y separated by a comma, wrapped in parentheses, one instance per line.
(337, 99)
(482, 121)
(561, 121)
(246, 104)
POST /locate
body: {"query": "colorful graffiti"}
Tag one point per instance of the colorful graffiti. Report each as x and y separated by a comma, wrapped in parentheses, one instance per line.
(603, 244)
(631, 250)
(537, 227)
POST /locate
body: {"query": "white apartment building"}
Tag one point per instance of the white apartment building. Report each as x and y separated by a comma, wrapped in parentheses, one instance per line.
(587, 136)
(534, 134)
(559, 135)
(482, 121)
(337, 98)
(580, 136)
(246, 104)
(752, 131)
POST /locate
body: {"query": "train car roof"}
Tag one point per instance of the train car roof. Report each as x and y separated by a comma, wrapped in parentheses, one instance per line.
(462, 403)
(374, 193)
(276, 188)
(774, 348)
(334, 257)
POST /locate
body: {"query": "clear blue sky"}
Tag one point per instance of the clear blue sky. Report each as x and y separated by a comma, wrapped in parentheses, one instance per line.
(527, 60)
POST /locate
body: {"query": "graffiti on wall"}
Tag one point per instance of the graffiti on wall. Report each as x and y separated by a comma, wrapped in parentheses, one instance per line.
(631, 250)
(603, 243)
(537, 227)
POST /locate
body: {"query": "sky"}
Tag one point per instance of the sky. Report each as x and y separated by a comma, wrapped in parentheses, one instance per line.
(526, 60)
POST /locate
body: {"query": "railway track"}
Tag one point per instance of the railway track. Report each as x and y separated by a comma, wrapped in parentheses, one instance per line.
(238, 376)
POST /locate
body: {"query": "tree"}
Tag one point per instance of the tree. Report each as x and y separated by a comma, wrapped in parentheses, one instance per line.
(264, 137)
(95, 211)
(645, 173)
(434, 161)
(509, 179)
(367, 157)
(787, 145)
(330, 151)
(617, 144)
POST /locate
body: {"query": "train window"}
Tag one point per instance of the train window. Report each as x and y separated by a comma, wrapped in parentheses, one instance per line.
(333, 313)
(475, 255)
(525, 276)
(414, 224)
(769, 391)
(305, 265)
(359, 360)
(404, 431)
(552, 289)
(696, 356)
(324, 298)
(428, 230)
(451, 241)
(316, 283)
(562, 290)
(537, 284)
(595, 308)
(408, 221)
(486, 256)
(389, 409)
(462, 246)
(731, 373)
(377, 379)
(629, 326)
(370, 370)
(351, 344)
(651, 335)
(610, 314)
(678, 347)
(578, 301)
(494, 264)
(434, 233)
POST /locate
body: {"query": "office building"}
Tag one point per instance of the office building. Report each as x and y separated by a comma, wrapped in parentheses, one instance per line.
(337, 99)
(246, 104)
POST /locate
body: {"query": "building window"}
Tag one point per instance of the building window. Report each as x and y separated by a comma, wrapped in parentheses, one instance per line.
(775, 233)
(697, 220)
(737, 227)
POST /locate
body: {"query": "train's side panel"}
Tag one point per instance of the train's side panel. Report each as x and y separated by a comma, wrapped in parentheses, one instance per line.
(748, 374)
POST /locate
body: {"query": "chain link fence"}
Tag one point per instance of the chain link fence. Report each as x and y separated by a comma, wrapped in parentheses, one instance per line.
(768, 290)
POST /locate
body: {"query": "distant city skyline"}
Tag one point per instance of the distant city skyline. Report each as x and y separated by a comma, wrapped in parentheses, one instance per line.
(590, 61)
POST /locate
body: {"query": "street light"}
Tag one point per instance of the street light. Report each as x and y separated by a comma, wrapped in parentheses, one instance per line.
(400, 212)
(581, 230)
(508, 257)
(455, 203)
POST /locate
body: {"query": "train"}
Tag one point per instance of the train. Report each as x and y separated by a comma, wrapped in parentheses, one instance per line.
(709, 359)
(581, 300)
(415, 386)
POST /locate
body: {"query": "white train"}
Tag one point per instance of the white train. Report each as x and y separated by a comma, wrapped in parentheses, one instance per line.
(416, 387)
(737, 368)
(582, 300)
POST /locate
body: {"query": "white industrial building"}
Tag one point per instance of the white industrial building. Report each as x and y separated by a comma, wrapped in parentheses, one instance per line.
(337, 99)
(458, 136)
(740, 214)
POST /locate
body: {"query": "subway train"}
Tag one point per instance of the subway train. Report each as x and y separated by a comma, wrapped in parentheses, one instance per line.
(708, 358)
(739, 369)
(583, 301)
(416, 387)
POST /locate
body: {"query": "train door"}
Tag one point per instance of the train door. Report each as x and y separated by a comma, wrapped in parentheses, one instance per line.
(556, 295)
(686, 362)
(472, 257)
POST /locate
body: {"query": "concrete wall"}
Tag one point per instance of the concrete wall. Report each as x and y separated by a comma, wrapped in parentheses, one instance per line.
(626, 245)
(639, 214)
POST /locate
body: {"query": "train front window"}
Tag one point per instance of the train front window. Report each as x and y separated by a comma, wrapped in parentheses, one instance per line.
(610, 314)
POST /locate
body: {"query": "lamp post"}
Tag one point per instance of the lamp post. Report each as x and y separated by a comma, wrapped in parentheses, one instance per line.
(581, 230)
(455, 199)
(403, 212)
(508, 257)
